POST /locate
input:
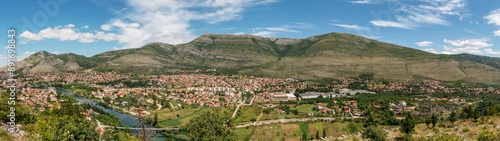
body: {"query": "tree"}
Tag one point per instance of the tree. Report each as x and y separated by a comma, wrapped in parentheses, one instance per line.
(408, 124)
(127, 129)
(434, 120)
(475, 114)
(211, 125)
(369, 121)
(317, 133)
(428, 121)
(324, 132)
(452, 118)
(155, 121)
(374, 134)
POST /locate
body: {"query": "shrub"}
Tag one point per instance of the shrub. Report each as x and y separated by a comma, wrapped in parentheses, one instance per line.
(466, 130)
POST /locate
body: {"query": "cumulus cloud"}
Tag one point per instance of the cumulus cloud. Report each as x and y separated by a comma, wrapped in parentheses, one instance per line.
(155, 21)
(492, 52)
(66, 33)
(431, 50)
(169, 20)
(467, 46)
(424, 43)
(494, 18)
(422, 12)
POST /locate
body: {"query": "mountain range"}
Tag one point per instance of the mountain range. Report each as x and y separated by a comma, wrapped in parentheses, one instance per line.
(321, 56)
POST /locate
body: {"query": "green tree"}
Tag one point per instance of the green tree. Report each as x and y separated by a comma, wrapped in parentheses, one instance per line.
(317, 133)
(475, 114)
(324, 132)
(155, 120)
(408, 124)
(127, 129)
(428, 121)
(374, 134)
(434, 120)
(210, 125)
(369, 121)
(452, 118)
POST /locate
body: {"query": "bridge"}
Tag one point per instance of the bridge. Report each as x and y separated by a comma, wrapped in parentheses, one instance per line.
(149, 129)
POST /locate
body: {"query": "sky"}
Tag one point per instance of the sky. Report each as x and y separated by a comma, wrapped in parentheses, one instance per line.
(90, 27)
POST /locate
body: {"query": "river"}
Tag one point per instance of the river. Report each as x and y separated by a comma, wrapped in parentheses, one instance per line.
(126, 119)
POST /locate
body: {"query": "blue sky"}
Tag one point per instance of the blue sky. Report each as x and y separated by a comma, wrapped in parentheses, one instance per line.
(89, 27)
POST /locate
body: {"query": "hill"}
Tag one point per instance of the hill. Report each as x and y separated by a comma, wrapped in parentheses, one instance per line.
(490, 61)
(313, 58)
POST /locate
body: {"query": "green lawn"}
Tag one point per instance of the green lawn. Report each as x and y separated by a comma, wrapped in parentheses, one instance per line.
(247, 113)
(304, 109)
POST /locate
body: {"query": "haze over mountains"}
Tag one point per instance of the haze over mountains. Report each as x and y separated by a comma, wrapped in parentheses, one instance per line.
(316, 57)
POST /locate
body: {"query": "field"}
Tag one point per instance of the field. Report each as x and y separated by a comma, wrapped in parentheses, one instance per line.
(291, 131)
(247, 114)
(167, 118)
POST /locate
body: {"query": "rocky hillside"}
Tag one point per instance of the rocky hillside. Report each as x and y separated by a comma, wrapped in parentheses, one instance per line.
(316, 57)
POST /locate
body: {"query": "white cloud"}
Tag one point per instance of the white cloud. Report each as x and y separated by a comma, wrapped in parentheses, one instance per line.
(271, 31)
(494, 17)
(423, 12)
(239, 33)
(85, 27)
(30, 36)
(353, 27)
(281, 29)
(363, 1)
(492, 52)
(467, 46)
(28, 53)
(392, 24)
(169, 20)
(264, 33)
(55, 52)
(65, 33)
(469, 43)
(431, 50)
(424, 43)
(497, 33)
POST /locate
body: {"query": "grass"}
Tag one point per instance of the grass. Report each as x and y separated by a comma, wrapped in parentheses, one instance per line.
(304, 128)
(290, 131)
(184, 116)
(304, 109)
(247, 114)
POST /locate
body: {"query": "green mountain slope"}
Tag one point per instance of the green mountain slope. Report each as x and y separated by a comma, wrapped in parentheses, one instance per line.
(490, 61)
(316, 57)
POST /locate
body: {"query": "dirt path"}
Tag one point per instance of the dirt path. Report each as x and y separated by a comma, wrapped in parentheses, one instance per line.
(261, 113)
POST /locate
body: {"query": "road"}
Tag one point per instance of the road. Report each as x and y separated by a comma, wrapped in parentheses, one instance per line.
(242, 103)
(266, 122)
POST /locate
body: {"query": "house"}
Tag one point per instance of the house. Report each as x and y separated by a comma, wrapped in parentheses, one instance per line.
(89, 117)
(310, 114)
(269, 105)
(354, 106)
(402, 103)
(376, 106)
(319, 106)
(280, 111)
(323, 112)
(399, 108)
(347, 113)
(124, 103)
